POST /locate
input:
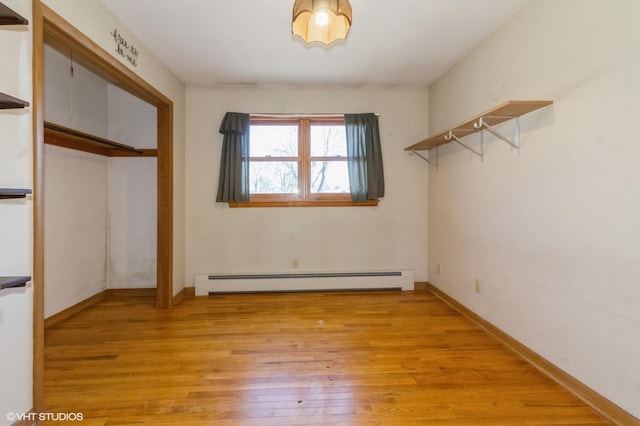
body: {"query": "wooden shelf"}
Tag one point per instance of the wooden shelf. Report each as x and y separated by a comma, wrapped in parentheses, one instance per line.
(13, 282)
(9, 17)
(6, 193)
(54, 134)
(504, 112)
(9, 102)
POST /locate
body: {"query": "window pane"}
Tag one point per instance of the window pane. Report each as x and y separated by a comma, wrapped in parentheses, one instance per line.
(328, 141)
(329, 177)
(273, 141)
(277, 177)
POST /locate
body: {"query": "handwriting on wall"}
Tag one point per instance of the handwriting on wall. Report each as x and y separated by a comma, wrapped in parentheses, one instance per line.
(125, 49)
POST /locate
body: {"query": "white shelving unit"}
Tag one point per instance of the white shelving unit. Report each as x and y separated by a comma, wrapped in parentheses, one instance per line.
(8, 102)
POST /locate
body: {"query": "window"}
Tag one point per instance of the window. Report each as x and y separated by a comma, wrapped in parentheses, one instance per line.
(298, 162)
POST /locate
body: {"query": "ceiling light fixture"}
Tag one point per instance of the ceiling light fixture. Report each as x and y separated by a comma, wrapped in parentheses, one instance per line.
(321, 20)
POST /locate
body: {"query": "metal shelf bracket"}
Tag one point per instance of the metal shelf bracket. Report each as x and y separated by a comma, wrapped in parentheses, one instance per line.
(427, 159)
(451, 137)
(515, 143)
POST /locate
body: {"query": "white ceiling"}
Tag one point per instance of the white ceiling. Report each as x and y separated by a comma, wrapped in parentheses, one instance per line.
(392, 42)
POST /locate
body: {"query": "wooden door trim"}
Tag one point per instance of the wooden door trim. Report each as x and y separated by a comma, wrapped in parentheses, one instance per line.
(37, 111)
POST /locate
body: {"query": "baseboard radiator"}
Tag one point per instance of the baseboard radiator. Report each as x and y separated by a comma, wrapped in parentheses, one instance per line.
(309, 281)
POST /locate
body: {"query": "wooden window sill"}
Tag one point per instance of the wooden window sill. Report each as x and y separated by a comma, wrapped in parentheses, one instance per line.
(305, 203)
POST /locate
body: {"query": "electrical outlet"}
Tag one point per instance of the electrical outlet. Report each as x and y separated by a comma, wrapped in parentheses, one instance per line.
(295, 263)
(438, 269)
(476, 286)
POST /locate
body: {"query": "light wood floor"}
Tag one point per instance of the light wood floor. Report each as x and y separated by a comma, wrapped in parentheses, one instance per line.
(361, 358)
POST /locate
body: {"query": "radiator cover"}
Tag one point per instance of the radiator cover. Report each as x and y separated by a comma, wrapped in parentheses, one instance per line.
(206, 284)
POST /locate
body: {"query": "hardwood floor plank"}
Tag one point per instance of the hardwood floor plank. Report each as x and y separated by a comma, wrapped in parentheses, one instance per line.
(387, 358)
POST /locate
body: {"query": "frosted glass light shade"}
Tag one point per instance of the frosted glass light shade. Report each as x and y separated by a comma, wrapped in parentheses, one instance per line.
(305, 24)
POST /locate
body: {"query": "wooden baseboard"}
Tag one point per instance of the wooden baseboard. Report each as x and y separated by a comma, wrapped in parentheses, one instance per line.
(132, 292)
(177, 298)
(118, 292)
(421, 286)
(63, 315)
(185, 293)
(596, 401)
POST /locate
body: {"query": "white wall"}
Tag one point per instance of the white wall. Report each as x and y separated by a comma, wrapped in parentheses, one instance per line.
(78, 102)
(75, 188)
(132, 194)
(75, 224)
(96, 21)
(390, 236)
(552, 235)
(16, 217)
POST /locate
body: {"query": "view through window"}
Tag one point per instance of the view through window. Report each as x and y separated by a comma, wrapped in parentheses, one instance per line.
(302, 159)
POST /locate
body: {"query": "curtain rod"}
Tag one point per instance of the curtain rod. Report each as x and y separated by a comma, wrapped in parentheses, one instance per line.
(297, 115)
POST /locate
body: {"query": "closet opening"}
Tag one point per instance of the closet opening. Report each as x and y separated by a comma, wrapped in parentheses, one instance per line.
(55, 37)
(100, 185)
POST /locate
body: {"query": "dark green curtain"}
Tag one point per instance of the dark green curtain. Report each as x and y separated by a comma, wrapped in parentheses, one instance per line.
(233, 185)
(364, 157)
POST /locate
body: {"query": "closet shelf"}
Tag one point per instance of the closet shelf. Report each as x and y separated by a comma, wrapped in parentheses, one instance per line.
(13, 282)
(10, 17)
(9, 102)
(54, 134)
(504, 112)
(6, 193)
